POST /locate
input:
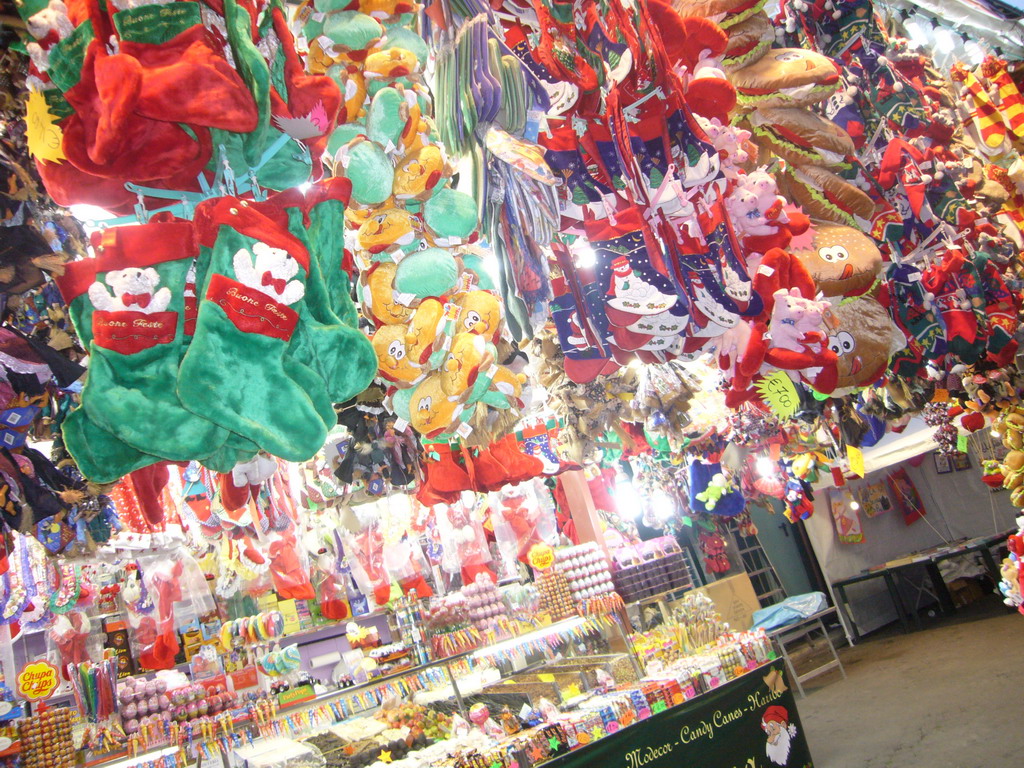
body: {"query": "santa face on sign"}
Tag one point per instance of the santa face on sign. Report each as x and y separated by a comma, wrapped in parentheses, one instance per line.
(775, 723)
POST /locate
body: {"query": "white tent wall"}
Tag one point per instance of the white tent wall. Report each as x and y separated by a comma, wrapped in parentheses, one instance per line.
(957, 504)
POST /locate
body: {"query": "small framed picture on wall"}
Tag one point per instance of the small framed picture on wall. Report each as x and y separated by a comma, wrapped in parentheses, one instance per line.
(961, 461)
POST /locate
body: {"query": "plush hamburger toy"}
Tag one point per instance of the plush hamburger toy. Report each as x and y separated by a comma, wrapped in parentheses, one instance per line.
(863, 337)
(843, 261)
(800, 137)
(825, 196)
(748, 41)
(786, 77)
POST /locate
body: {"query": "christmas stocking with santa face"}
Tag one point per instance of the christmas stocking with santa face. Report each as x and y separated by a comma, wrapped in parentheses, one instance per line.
(129, 301)
(235, 371)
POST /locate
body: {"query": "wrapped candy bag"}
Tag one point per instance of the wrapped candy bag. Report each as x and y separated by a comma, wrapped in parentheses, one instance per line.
(522, 517)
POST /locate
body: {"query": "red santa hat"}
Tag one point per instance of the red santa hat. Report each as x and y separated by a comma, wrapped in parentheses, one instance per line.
(775, 714)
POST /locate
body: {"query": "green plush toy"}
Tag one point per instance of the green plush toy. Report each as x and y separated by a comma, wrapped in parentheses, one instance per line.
(405, 39)
(352, 31)
(716, 489)
(425, 273)
(474, 262)
(342, 135)
(369, 169)
(387, 117)
(451, 215)
(237, 372)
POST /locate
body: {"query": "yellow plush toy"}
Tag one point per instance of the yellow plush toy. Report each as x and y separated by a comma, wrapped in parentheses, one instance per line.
(387, 11)
(418, 174)
(432, 411)
(388, 230)
(390, 64)
(462, 364)
(481, 314)
(395, 363)
(509, 384)
(422, 333)
(378, 295)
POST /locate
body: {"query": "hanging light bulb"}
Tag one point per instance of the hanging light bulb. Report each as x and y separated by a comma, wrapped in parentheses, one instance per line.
(663, 505)
(765, 467)
(585, 256)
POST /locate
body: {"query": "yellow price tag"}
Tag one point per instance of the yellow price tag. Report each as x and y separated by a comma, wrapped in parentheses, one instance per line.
(572, 692)
(45, 138)
(546, 677)
(856, 457)
(779, 393)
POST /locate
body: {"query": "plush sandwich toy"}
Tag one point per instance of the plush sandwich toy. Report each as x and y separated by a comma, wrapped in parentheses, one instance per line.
(800, 137)
(863, 337)
(842, 261)
(826, 196)
(786, 77)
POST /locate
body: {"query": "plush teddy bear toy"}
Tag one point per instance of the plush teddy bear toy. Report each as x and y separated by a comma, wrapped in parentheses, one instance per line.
(49, 26)
(134, 289)
(271, 273)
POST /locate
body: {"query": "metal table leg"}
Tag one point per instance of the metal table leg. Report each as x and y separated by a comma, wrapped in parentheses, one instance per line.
(842, 605)
(789, 665)
(897, 601)
(941, 590)
(831, 647)
(991, 565)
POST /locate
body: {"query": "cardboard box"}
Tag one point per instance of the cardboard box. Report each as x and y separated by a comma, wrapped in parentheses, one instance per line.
(735, 599)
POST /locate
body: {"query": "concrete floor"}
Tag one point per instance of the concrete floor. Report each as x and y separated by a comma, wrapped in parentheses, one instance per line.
(946, 697)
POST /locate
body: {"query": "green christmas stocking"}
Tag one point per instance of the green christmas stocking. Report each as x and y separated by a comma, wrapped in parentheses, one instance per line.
(235, 372)
(129, 303)
(333, 348)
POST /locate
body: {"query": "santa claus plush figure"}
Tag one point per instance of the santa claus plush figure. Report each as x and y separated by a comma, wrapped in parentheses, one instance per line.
(775, 723)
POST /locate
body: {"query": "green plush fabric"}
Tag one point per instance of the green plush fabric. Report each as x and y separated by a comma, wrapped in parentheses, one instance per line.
(100, 456)
(241, 379)
(400, 403)
(353, 31)
(338, 352)
(254, 72)
(375, 85)
(429, 272)
(475, 264)
(343, 134)
(385, 119)
(313, 28)
(128, 306)
(286, 168)
(371, 173)
(327, 6)
(450, 213)
(224, 459)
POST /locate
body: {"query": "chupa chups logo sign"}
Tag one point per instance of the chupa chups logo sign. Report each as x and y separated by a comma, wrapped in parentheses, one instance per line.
(38, 680)
(541, 556)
